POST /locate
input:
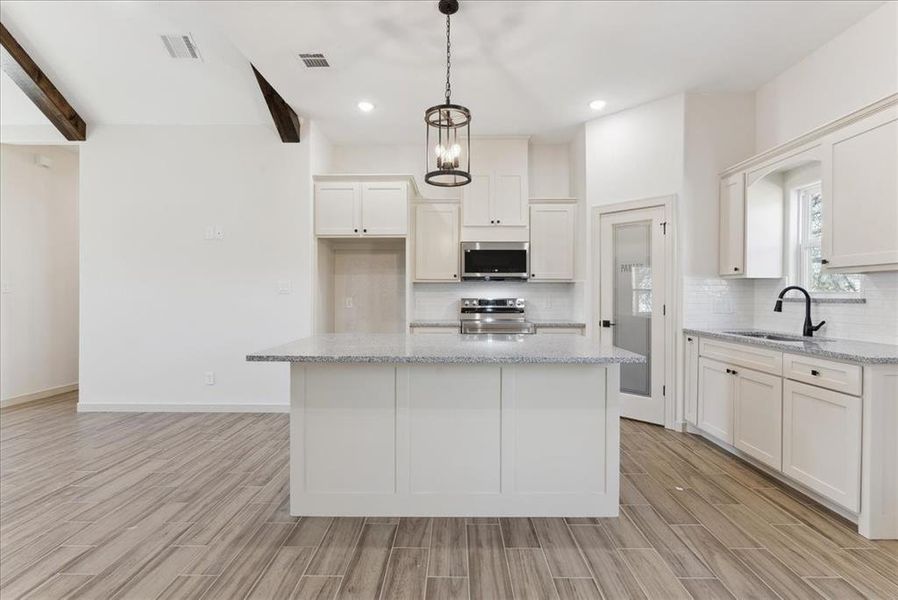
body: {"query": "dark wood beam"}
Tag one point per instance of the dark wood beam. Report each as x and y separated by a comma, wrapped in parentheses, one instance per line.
(16, 63)
(285, 118)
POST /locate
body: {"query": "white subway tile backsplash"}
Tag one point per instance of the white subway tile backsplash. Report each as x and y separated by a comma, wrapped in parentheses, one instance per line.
(874, 321)
(711, 302)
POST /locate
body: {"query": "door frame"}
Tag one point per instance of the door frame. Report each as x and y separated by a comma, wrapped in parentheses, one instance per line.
(672, 283)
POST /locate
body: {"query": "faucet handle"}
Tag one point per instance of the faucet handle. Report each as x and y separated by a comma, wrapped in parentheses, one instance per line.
(818, 326)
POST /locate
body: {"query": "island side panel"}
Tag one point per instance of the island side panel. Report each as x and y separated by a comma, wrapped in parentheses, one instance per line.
(454, 440)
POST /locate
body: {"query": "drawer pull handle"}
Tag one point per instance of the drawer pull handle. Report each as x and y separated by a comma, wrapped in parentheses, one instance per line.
(815, 372)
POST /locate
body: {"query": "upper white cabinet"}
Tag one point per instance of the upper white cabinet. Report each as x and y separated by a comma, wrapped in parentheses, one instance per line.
(352, 208)
(856, 157)
(337, 207)
(732, 225)
(552, 237)
(436, 242)
(495, 205)
(860, 194)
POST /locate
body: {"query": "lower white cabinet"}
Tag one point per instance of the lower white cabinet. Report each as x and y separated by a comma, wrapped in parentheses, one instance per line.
(741, 407)
(822, 441)
(436, 242)
(758, 424)
(716, 399)
(690, 378)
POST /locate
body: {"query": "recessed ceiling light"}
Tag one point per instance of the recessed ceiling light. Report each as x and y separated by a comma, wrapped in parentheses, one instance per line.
(365, 106)
(597, 104)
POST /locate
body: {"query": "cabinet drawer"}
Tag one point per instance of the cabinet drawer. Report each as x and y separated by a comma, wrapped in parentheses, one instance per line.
(829, 374)
(751, 357)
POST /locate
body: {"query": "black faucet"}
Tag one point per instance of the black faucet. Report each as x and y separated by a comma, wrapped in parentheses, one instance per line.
(808, 329)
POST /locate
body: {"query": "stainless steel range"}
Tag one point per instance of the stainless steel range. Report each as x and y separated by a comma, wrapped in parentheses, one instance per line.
(494, 315)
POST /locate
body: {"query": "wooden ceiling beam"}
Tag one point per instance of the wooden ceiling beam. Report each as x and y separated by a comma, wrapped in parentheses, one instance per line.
(285, 118)
(16, 63)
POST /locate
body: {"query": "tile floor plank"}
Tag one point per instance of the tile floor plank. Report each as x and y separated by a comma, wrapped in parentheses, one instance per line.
(678, 555)
(518, 533)
(366, 569)
(577, 589)
(610, 571)
(530, 577)
(561, 551)
(703, 588)
(489, 578)
(653, 574)
(337, 547)
(406, 576)
(282, 574)
(448, 548)
(447, 588)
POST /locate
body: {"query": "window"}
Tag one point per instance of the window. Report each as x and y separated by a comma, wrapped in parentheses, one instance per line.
(641, 282)
(810, 270)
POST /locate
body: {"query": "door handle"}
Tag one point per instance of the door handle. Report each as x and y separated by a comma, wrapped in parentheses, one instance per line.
(815, 372)
(607, 323)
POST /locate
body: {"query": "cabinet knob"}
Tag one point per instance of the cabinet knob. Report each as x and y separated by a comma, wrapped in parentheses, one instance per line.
(815, 372)
(356, 230)
(492, 221)
(689, 339)
(364, 231)
(498, 221)
(533, 274)
(455, 275)
(823, 261)
(735, 268)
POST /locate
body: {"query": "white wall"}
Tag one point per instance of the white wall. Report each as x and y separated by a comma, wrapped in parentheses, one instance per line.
(38, 270)
(854, 69)
(636, 153)
(161, 305)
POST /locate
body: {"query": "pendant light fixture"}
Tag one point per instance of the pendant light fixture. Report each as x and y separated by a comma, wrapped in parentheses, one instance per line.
(448, 158)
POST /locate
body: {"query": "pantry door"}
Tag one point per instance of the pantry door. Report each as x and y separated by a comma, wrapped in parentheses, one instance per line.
(632, 299)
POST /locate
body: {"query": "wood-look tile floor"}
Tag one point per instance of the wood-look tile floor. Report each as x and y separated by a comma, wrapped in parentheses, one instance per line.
(195, 506)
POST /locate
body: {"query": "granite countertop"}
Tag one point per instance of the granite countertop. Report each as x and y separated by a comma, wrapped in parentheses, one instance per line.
(446, 348)
(847, 350)
(456, 323)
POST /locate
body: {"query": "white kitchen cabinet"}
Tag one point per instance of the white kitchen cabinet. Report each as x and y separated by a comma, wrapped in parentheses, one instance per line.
(732, 225)
(560, 330)
(495, 205)
(436, 242)
(716, 399)
(354, 209)
(690, 377)
(495, 200)
(822, 441)
(384, 207)
(758, 426)
(552, 234)
(860, 194)
(336, 208)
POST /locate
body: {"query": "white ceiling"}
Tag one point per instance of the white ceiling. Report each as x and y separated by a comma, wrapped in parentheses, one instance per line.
(521, 67)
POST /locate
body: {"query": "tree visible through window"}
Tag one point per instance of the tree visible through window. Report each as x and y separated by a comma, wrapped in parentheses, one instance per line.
(810, 210)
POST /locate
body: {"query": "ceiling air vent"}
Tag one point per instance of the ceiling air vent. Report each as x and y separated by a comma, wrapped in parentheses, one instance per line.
(314, 60)
(181, 46)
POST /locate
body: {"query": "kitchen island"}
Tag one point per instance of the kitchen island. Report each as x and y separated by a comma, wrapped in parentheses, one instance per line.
(453, 425)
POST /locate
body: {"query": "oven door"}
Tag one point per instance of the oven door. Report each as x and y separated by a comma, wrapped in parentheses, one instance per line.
(495, 260)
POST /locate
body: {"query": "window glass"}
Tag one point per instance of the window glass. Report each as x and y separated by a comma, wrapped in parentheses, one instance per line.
(813, 277)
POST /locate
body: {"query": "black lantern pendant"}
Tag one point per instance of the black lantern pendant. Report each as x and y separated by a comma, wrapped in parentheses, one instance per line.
(448, 130)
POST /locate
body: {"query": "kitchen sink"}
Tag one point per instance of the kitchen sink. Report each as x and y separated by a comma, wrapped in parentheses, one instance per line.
(774, 337)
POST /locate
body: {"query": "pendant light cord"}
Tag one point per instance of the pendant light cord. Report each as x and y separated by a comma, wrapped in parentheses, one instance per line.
(448, 59)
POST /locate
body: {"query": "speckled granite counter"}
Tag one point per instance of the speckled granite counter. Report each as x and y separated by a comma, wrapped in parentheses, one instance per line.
(446, 348)
(539, 324)
(847, 350)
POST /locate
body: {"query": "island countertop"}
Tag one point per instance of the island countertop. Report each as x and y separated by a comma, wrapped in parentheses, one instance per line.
(446, 348)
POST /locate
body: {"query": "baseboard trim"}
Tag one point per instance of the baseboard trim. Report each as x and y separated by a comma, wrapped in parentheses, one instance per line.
(33, 396)
(184, 408)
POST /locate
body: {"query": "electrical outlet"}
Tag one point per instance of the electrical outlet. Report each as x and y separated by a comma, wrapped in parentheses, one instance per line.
(209, 377)
(210, 233)
(283, 286)
(219, 233)
(347, 303)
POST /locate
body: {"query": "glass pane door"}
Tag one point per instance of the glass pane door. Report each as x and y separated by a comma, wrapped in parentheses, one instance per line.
(632, 248)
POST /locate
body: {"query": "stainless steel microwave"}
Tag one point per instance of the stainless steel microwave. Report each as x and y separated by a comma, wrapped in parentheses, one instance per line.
(495, 261)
